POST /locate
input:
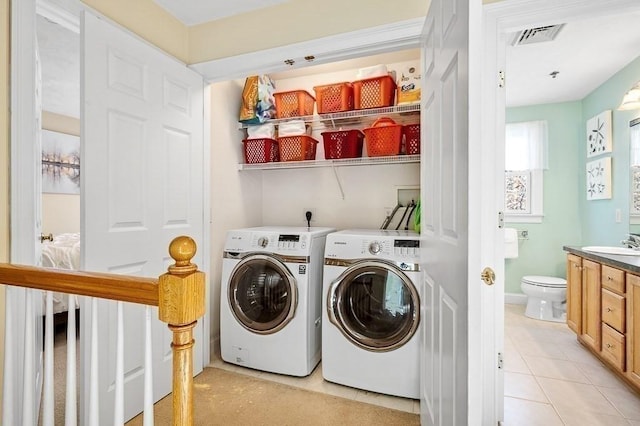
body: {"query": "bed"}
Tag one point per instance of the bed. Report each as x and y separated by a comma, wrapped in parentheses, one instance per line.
(62, 253)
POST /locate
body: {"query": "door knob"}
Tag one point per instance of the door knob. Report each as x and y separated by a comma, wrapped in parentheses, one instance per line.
(488, 276)
(44, 238)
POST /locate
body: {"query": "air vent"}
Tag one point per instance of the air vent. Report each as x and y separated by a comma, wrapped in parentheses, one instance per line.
(537, 35)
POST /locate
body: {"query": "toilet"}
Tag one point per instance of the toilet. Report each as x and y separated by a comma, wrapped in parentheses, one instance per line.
(546, 297)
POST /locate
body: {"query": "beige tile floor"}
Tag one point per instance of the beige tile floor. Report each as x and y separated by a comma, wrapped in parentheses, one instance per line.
(550, 379)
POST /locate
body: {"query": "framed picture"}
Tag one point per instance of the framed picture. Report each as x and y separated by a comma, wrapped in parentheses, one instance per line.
(60, 163)
(599, 137)
(599, 179)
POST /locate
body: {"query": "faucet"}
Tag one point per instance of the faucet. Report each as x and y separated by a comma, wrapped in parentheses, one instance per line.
(632, 241)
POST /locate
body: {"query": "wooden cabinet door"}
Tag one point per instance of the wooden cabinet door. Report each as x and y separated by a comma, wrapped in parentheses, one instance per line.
(591, 296)
(574, 293)
(633, 328)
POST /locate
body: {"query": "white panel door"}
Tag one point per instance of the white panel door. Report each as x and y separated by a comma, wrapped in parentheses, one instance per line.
(450, 248)
(142, 185)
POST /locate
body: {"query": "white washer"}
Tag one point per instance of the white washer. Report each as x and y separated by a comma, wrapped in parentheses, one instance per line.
(371, 311)
(270, 301)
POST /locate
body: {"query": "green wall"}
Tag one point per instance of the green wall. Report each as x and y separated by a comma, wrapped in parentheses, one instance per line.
(541, 253)
(569, 219)
(599, 226)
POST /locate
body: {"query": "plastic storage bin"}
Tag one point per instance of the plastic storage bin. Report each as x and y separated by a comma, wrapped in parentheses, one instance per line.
(260, 150)
(343, 144)
(334, 97)
(297, 148)
(411, 134)
(374, 92)
(384, 137)
(295, 103)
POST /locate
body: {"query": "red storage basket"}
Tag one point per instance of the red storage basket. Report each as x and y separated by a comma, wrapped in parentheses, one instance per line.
(383, 138)
(374, 92)
(297, 148)
(411, 139)
(334, 97)
(343, 144)
(295, 103)
(260, 150)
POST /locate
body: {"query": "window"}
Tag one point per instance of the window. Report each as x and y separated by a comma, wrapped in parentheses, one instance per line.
(525, 159)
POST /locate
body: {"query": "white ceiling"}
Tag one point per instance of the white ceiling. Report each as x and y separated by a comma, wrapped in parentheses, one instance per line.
(193, 12)
(585, 54)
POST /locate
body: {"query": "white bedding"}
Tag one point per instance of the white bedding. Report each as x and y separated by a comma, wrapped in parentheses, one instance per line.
(62, 253)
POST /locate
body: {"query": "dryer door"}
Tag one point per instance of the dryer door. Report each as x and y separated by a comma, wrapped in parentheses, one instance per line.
(262, 294)
(375, 305)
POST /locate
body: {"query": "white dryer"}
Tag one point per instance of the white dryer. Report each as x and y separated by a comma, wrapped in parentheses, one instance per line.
(371, 311)
(270, 301)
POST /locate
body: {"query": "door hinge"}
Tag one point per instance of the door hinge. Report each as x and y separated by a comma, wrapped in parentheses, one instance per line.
(500, 220)
(500, 361)
(500, 79)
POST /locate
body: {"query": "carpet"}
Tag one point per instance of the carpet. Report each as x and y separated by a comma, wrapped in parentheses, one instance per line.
(226, 398)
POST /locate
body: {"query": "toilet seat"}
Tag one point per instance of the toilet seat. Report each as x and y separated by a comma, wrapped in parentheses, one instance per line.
(543, 281)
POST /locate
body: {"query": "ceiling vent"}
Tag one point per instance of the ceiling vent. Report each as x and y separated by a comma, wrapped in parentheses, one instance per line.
(537, 35)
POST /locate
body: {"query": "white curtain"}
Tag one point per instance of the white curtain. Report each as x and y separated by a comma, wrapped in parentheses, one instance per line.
(526, 146)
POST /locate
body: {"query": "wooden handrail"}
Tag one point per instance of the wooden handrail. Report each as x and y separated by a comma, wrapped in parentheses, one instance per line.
(179, 295)
(105, 286)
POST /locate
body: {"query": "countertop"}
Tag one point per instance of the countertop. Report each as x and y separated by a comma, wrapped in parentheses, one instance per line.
(627, 263)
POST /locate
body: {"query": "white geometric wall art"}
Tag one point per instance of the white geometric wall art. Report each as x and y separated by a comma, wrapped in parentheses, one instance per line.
(599, 137)
(599, 179)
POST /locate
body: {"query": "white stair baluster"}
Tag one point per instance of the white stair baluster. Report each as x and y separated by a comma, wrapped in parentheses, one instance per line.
(48, 394)
(94, 403)
(70, 407)
(118, 417)
(28, 374)
(148, 371)
(8, 384)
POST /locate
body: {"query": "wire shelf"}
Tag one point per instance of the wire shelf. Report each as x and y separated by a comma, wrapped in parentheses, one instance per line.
(362, 161)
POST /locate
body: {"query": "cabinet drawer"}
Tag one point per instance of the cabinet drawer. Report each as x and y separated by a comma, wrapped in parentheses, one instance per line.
(613, 348)
(613, 279)
(613, 310)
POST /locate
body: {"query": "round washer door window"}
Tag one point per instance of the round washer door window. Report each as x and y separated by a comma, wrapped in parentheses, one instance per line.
(262, 294)
(375, 305)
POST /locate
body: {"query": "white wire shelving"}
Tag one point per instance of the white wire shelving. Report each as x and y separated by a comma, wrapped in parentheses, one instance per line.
(402, 114)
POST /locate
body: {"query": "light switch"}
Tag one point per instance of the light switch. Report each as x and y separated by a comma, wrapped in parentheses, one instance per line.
(618, 216)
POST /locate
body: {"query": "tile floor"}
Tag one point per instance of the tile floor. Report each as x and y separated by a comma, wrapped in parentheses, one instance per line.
(550, 379)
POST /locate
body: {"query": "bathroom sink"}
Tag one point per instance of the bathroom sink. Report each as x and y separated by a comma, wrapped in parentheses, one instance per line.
(624, 251)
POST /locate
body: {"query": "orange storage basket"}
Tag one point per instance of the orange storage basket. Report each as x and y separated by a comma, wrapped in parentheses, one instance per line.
(260, 150)
(383, 138)
(343, 144)
(374, 92)
(295, 103)
(334, 97)
(411, 139)
(297, 148)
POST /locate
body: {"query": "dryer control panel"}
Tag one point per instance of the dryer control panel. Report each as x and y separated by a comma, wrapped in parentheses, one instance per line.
(392, 248)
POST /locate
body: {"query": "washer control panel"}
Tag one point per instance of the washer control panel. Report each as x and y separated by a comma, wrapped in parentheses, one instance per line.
(280, 242)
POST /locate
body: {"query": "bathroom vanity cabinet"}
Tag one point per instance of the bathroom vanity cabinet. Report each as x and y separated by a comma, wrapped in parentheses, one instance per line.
(603, 308)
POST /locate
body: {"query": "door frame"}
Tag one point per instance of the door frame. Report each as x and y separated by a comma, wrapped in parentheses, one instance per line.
(22, 155)
(500, 19)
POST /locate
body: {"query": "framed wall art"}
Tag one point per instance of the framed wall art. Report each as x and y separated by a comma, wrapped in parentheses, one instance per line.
(599, 179)
(599, 136)
(60, 163)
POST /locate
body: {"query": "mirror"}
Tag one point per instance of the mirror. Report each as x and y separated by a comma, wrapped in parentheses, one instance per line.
(634, 172)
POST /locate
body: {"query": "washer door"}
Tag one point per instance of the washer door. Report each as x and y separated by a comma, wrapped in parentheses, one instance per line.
(262, 294)
(375, 305)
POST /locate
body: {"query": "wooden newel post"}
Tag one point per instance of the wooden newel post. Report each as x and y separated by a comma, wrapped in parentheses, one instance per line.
(181, 303)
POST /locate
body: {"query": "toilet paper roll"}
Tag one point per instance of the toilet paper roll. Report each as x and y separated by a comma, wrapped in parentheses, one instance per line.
(510, 243)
